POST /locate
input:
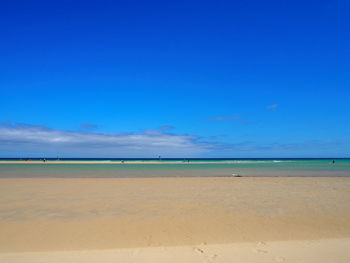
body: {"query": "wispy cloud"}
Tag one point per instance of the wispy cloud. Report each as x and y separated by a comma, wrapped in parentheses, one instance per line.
(272, 107)
(225, 118)
(166, 127)
(29, 138)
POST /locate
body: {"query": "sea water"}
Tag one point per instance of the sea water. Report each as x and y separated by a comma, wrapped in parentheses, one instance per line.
(179, 168)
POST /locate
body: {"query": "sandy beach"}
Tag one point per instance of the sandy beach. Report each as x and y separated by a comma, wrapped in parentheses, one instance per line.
(174, 131)
(175, 219)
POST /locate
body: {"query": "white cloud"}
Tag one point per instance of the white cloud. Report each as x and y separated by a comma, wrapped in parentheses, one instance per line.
(24, 140)
(29, 139)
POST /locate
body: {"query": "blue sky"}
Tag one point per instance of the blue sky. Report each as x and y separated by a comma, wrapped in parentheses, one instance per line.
(175, 78)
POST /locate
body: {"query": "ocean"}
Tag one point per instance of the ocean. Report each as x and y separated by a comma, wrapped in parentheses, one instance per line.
(113, 168)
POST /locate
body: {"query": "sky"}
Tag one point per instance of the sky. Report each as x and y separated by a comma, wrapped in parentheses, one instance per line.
(175, 78)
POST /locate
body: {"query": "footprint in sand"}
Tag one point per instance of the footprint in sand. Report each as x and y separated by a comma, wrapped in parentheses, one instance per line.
(261, 243)
(279, 259)
(198, 250)
(201, 252)
(260, 248)
(257, 250)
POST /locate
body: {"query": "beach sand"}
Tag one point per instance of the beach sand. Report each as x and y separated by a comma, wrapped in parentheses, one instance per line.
(175, 220)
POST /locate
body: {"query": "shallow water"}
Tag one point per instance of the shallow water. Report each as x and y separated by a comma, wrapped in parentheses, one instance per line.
(179, 168)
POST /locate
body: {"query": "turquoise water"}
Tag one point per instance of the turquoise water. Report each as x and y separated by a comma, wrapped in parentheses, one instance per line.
(178, 168)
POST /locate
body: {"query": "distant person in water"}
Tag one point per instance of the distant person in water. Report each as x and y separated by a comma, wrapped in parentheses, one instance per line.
(333, 162)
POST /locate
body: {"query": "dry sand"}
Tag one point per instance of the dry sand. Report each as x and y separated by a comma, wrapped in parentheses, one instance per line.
(320, 251)
(175, 219)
